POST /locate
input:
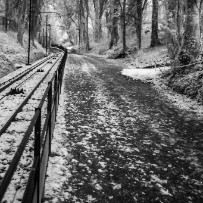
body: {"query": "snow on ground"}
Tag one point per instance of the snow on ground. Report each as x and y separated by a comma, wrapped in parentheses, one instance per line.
(20, 70)
(148, 57)
(57, 171)
(153, 75)
(12, 54)
(10, 140)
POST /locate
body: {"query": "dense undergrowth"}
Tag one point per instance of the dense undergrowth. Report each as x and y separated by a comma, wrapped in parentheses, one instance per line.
(188, 81)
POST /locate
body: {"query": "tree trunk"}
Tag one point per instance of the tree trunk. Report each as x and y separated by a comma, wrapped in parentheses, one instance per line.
(33, 21)
(98, 30)
(36, 6)
(6, 15)
(108, 19)
(135, 9)
(86, 26)
(99, 10)
(154, 35)
(81, 22)
(192, 32)
(131, 10)
(22, 16)
(139, 23)
(114, 24)
(21, 31)
(124, 26)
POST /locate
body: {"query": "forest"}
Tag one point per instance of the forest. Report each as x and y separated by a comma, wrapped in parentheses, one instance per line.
(101, 101)
(175, 23)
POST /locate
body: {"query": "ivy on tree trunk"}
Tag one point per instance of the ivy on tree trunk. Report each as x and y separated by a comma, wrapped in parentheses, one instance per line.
(192, 31)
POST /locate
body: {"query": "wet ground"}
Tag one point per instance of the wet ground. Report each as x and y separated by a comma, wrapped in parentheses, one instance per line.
(128, 144)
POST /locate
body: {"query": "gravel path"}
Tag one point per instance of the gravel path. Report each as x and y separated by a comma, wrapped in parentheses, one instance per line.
(126, 143)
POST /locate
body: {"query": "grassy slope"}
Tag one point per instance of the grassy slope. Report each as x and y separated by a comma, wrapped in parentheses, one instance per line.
(12, 53)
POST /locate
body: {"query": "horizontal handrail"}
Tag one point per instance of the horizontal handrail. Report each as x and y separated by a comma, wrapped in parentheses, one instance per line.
(3, 129)
(43, 135)
(13, 165)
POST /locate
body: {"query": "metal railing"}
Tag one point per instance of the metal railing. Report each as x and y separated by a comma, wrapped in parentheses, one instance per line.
(42, 145)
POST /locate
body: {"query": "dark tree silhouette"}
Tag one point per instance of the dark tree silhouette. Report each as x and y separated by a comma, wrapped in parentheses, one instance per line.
(154, 35)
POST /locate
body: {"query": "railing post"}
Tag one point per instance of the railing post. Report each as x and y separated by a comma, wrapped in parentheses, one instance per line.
(39, 38)
(49, 109)
(56, 93)
(55, 82)
(60, 82)
(37, 152)
(58, 86)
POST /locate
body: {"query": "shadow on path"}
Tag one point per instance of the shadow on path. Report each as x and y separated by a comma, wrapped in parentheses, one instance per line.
(128, 143)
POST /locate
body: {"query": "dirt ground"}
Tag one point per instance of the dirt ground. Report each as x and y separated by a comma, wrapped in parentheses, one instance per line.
(126, 142)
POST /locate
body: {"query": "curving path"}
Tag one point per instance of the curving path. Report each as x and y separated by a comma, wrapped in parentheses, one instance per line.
(128, 144)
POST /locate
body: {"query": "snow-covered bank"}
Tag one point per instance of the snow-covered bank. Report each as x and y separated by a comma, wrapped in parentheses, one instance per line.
(144, 74)
(154, 76)
(12, 53)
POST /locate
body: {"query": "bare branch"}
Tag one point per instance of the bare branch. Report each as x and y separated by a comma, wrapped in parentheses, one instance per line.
(144, 5)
